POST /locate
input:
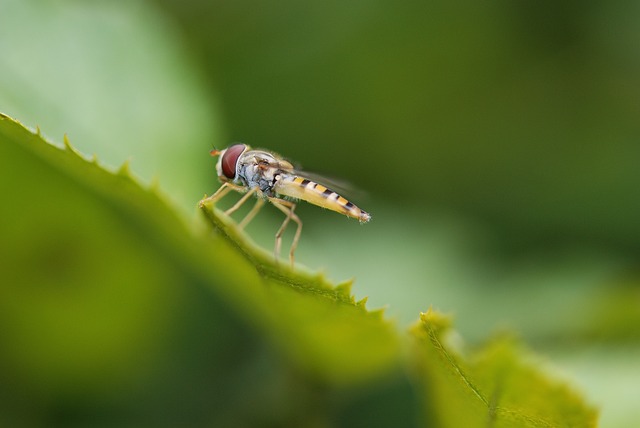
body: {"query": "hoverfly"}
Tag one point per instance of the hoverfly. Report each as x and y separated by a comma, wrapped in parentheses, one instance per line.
(272, 178)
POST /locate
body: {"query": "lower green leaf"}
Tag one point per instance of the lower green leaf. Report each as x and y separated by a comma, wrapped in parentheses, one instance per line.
(497, 386)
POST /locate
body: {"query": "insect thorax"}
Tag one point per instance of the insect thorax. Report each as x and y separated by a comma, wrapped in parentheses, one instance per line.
(253, 175)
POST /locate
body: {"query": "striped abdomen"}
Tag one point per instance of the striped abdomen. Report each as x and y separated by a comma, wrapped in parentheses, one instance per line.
(317, 194)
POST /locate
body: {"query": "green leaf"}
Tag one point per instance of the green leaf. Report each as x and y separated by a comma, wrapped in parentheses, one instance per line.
(105, 287)
(115, 311)
(115, 77)
(497, 386)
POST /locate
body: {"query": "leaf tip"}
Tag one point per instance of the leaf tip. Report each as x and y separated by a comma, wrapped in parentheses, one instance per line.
(344, 288)
(125, 168)
(435, 320)
(65, 140)
(362, 302)
(377, 313)
(68, 147)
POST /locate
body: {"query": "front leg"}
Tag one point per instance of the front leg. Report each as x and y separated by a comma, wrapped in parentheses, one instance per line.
(221, 192)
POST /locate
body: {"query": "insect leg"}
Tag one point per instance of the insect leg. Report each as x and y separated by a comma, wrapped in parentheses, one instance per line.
(281, 230)
(287, 207)
(245, 221)
(221, 192)
(241, 201)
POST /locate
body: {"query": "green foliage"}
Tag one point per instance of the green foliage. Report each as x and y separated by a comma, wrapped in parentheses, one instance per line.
(115, 311)
(497, 142)
(497, 386)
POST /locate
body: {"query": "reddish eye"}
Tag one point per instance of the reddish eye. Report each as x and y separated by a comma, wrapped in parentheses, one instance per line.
(230, 159)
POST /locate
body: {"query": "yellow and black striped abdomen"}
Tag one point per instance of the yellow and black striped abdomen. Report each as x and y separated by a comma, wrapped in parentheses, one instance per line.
(317, 194)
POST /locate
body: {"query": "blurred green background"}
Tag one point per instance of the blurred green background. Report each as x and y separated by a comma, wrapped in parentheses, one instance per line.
(496, 143)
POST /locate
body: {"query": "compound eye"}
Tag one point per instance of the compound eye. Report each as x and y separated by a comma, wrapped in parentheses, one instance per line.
(230, 159)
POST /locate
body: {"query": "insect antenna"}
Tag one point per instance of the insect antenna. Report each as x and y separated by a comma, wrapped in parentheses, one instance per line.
(214, 151)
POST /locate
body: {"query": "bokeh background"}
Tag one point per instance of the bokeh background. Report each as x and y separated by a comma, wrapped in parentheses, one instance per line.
(496, 144)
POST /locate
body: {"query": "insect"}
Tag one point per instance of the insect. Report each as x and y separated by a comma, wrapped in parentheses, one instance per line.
(272, 178)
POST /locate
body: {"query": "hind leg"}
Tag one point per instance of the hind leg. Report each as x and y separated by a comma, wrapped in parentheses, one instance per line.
(287, 207)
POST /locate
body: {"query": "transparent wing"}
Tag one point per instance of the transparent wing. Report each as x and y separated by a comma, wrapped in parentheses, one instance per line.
(342, 187)
(339, 186)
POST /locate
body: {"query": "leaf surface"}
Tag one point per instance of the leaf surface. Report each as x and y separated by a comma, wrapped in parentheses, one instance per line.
(115, 310)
